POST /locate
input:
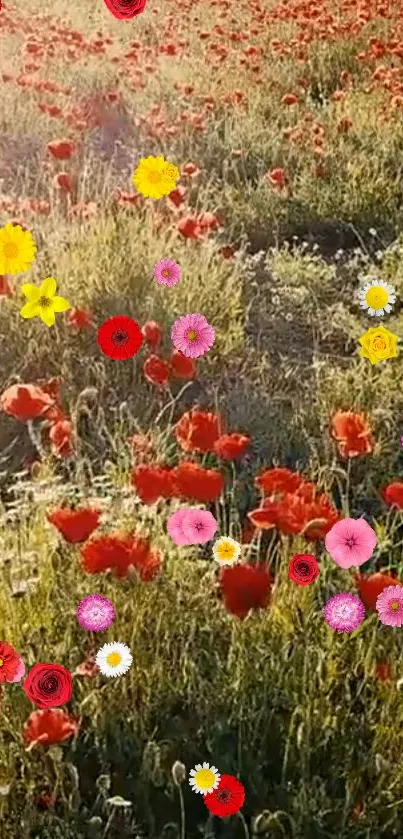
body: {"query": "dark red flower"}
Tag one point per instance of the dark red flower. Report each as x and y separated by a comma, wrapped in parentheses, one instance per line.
(48, 727)
(182, 367)
(153, 482)
(227, 799)
(6, 285)
(120, 552)
(125, 9)
(197, 431)
(245, 587)
(62, 149)
(48, 685)
(152, 334)
(120, 337)
(194, 483)
(372, 585)
(156, 370)
(303, 569)
(393, 494)
(9, 662)
(75, 525)
(231, 446)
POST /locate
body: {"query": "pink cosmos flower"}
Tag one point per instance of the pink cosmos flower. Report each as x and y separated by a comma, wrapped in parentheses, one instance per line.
(350, 542)
(192, 335)
(344, 612)
(95, 613)
(167, 272)
(198, 526)
(20, 672)
(389, 605)
(174, 526)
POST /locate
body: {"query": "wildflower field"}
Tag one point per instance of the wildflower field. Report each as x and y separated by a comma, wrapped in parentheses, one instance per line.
(285, 124)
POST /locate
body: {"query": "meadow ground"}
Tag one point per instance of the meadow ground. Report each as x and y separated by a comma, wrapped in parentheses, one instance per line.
(286, 124)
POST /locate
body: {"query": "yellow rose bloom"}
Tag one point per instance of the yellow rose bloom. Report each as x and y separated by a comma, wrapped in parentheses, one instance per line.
(378, 344)
(155, 177)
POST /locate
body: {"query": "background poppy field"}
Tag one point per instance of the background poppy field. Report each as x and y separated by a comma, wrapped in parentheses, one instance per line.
(286, 123)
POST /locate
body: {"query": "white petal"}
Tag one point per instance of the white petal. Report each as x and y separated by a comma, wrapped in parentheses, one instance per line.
(371, 312)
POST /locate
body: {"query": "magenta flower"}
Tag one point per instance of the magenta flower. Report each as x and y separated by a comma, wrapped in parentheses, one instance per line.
(350, 542)
(199, 526)
(167, 272)
(192, 335)
(174, 527)
(344, 612)
(95, 613)
(389, 605)
(20, 672)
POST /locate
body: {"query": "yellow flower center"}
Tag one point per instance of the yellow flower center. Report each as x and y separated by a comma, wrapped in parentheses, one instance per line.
(166, 272)
(114, 659)
(1, 662)
(395, 605)
(44, 302)
(192, 335)
(11, 250)
(204, 779)
(377, 297)
(154, 176)
(227, 550)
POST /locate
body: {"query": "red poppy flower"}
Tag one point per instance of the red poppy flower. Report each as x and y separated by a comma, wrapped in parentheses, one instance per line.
(125, 9)
(227, 799)
(6, 286)
(231, 446)
(176, 197)
(197, 431)
(189, 227)
(245, 587)
(62, 149)
(303, 569)
(48, 685)
(277, 178)
(289, 99)
(9, 662)
(153, 482)
(48, 727)
(372, 585)
(156, 370)
(75, 525)
(88, 668)
(352, 433)
(182, 367)
(278, 480)
(208, 221)
(194, 483)
(61, 436)
(152, 334)
(294, 514)
(393, 494)
(119, 552)
(383, 671)
(78, 318)
(142, 447)
(26, 402)
(63, 181)
(120, 337)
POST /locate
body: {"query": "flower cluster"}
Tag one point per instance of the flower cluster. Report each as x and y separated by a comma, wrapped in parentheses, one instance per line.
(223, 795)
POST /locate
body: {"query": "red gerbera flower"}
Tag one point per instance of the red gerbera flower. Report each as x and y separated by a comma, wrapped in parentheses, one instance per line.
(227, 799)
(245, 587)
(120, 337)
(9, 662)
(75, 525)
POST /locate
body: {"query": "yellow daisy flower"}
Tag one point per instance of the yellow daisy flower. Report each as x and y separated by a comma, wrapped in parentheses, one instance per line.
(42, 301)
(226, 550)
(17, 249)
(155, 177)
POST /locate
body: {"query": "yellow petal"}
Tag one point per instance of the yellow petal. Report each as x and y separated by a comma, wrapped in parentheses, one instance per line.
(48, 288)
(47, 315)
(30, 310)
(60, 304)
(31, 291)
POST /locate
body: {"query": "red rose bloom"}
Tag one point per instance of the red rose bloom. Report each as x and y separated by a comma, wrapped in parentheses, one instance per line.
(125, 9)
(48, 727)
(9, 662)
(303, 569)
(120, 337)
(227, 799)
(245, 587)
(393, 494)
(48, 685)
(75, 525)
(231, 446)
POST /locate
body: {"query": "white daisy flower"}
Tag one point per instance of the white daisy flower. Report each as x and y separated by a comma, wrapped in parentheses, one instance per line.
(226, 550)
(204, 779)
(114, 659)
(377, 297)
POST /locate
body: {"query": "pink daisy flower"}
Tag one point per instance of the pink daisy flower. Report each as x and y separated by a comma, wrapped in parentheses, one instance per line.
(350, 542)
(95, 613)
(198, 526)
(167, 272)
(344, 612)
(389, 605)
(174, 527)
(192, 335)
